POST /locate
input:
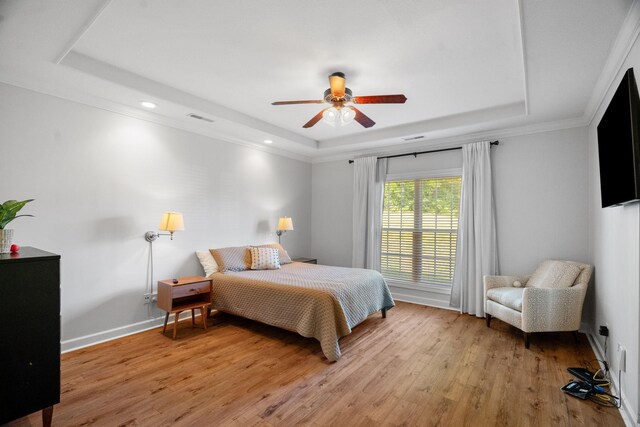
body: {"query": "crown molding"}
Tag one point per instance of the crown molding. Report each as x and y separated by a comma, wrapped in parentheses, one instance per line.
(432, 143)
(112, 74)
(437, 143)
(116, 108)
(438, 124)
(525, 80)
(622, 46)
(82, 31)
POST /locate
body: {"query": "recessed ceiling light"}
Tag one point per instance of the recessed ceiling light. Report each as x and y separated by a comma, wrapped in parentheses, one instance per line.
(147, 104)
(268, 141)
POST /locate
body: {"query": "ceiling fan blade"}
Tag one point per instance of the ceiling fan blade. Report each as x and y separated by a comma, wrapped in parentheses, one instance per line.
(362, 118)
(337, 83)
(315, 119)
(319, 101)
(380, 99)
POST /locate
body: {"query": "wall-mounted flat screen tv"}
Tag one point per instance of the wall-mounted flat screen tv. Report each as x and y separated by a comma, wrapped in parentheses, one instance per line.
(619, 145)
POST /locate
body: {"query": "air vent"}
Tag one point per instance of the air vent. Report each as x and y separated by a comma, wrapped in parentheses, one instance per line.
(195, 116)
(413, 138)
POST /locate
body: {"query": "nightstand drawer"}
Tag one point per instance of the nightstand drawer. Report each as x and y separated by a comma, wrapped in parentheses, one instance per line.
(190, 289)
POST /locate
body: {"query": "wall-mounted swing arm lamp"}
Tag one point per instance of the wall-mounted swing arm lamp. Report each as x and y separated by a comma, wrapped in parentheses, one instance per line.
(284, 224)
(171, 221)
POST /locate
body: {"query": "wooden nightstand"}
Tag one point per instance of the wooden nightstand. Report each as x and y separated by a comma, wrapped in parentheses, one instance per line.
(306, 260)
(188, 294)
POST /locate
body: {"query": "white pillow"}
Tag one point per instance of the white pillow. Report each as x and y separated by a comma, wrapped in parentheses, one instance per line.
(554, 274)
(265, 259)
(209, 264)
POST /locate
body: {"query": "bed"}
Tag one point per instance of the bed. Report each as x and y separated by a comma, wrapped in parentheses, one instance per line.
(316, 301)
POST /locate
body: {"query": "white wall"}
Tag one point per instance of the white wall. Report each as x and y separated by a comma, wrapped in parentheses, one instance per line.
(332, 213)
(614, 244)
(101, 180)
(540, 193)
(540, 185)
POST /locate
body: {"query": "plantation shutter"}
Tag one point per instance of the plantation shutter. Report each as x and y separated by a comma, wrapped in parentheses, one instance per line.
(419, 231)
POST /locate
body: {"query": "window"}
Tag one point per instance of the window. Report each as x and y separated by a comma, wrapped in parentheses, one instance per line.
(419, 231)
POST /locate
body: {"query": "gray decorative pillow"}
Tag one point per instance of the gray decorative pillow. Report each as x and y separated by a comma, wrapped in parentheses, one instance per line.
(265, 259)
(232, 258)
(284, 256)
(554, 274)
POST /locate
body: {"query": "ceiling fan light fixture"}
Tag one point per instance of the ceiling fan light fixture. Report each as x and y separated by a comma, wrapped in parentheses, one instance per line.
(347, 114)
(330, 115)
(337, 96)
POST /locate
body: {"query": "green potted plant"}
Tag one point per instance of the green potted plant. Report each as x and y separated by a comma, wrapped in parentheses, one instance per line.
(8, 212)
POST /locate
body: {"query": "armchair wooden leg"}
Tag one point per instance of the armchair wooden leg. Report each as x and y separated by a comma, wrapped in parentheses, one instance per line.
(576, 337)
(526, 340)
(384, 313)
(488, 320)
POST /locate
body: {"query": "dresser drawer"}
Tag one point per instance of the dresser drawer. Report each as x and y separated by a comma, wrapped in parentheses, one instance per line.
(190, 289)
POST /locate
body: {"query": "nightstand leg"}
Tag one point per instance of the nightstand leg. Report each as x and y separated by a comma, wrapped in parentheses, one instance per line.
(203, 310)
(193, 316)
(175, 325)
(166, 319)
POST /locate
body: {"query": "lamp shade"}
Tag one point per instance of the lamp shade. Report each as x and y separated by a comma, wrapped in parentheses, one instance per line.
(285, 224)
(172, 221)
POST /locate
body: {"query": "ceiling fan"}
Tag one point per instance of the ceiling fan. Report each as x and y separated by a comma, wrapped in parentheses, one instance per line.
(338, 95)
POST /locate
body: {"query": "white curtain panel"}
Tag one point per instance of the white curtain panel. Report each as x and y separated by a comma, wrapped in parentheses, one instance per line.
(369, 175)
(477, 247)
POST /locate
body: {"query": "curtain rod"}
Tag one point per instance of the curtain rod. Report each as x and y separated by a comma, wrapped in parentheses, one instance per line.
(415, 154)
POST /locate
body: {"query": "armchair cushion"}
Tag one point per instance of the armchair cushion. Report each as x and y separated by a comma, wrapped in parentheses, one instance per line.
(491, 282)
(510, 297)
(554, 274)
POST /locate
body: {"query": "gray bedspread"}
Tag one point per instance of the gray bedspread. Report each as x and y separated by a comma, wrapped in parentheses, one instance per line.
(316, 301)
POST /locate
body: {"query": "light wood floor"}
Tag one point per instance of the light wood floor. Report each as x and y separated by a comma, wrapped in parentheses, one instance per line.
(419, 366)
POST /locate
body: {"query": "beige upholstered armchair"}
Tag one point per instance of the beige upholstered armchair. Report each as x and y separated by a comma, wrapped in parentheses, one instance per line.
(550, 300)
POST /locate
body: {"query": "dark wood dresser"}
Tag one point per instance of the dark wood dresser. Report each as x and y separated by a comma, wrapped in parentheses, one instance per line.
(30, 334)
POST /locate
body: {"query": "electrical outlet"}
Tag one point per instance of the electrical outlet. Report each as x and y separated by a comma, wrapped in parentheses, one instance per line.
(149, 298)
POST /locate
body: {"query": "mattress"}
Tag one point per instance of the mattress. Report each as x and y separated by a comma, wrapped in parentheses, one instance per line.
(316, 301)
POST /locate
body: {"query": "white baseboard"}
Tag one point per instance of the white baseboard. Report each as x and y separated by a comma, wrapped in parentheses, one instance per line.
(112, 334)
(627, 412)
(422, 301)
(134, 328)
